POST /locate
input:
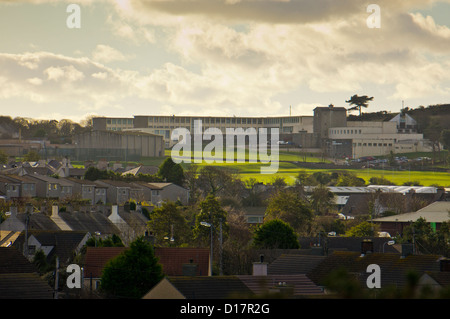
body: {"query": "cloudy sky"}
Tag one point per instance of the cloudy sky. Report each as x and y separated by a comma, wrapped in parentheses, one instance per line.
(220, 57)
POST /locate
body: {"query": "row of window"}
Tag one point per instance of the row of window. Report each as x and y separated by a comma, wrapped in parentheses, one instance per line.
(348, 131)
(119, 121)
(373, 144)
(222, 120)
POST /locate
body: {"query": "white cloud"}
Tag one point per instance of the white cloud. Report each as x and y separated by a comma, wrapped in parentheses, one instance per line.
(105, 54)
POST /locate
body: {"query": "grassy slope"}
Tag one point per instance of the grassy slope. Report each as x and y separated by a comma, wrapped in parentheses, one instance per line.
(289, 170)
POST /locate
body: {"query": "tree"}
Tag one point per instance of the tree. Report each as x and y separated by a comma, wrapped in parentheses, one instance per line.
(169, 225)
(219, 181)
(289, 206)
(322, 199)
(132, 273)
(3, 157)
(275, 234)
(359, 102)
(364, 229)
(210, 212)
(445, 138)
(112, 241)
(31, 156)
(93, 174)
(171, 172)
(427, 239)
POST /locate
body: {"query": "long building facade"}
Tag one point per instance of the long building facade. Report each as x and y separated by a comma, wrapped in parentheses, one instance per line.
(327, 130)
(164, 124)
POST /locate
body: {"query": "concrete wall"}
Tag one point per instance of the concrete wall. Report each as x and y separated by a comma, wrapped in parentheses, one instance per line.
(118, 145)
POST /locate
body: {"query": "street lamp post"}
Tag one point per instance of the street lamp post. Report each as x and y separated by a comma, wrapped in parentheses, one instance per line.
(211, 246)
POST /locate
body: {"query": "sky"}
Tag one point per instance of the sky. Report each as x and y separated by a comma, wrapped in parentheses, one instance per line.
(220, 57)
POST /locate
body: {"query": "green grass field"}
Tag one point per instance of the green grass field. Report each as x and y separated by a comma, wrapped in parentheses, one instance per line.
(288, 168)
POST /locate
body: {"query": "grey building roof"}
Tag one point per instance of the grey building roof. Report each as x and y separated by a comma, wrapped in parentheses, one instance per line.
(437, 212)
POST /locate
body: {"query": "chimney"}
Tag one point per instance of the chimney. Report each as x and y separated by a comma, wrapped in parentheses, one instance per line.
(260, 268)
(13, 210)
(55, 212)
(444, 265)
(190, 269)
(407, 249)
(366, 247)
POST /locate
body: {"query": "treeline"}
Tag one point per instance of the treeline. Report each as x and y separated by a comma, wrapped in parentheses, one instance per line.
(426, 117)
(57, 132)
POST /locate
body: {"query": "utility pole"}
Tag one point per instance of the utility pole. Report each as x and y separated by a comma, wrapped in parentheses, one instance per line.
(25, 248)
(56, 277)
(220, 240)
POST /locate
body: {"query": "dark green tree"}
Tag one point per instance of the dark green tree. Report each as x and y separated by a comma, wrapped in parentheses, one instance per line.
(359, 102)
(111, 241)
(171, 172)
(275, 234)
(211, 212)
(322, 200)
(132, 273)
(445, 138)
(168, 225)
(292, 208)
(32, 156)
(93, 174)
(3, 157)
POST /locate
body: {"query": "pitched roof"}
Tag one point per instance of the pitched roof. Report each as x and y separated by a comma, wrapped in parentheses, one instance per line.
(89, 221)
(293, 264)
(65, 243)
(173, 258)
(12, 261)
(393, 267)
(262, 285)
(24, 286)
(338, 243)
(441, 277)
(152, 170)
(438, 212)
(38, 221)
(210, 287)
(96, 259)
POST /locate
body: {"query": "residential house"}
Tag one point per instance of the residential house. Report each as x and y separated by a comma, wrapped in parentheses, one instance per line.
(90, 221)
(100, 193)
(62, 244)
(117, 193)
(395, 267)
(436, 213)
(95, 260)
(15, 186)
(142, 169)
(19, 278)
(10, 187)
(199, 287)
(27, 187)
(18, 221)
(326, 245)
(178, 261)
(159, 192)
(257, 285)
(131, 224)
(86, 189)
(436, 280)
(50, 187)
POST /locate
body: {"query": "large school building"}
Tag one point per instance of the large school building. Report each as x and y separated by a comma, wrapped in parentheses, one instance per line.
(327, 130)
